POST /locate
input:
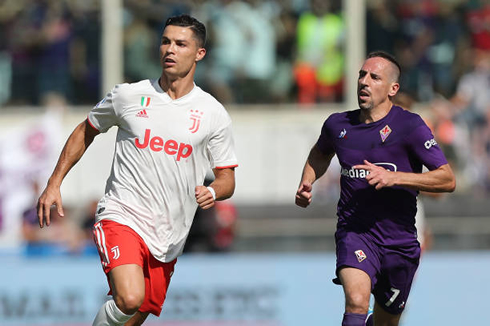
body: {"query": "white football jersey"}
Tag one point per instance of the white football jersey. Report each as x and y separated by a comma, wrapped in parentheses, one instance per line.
(163, 149)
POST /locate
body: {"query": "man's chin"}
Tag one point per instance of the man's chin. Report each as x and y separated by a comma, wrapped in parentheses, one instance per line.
(365, 105)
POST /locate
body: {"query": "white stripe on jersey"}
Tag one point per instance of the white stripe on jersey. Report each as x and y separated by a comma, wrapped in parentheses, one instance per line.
(100, 239)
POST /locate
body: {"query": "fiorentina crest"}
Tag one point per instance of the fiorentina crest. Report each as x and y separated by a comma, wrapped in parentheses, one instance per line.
(385, 132)
(360, 255)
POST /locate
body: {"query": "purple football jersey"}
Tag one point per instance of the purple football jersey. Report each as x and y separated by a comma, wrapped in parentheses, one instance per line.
(401, 141)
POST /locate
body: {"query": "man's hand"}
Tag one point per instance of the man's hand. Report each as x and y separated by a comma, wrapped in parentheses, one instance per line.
(204, 197)
(378, 176)
(50, 196)
(303, 195)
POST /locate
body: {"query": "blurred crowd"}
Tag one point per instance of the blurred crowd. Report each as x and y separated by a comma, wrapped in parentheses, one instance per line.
(267, 52)
(271, 51)
(49, 50)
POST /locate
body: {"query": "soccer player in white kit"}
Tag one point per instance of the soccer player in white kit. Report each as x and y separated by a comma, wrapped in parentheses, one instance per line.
(169, 133)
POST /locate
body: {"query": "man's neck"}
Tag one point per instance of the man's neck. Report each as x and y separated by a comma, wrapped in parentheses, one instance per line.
(176, 88)
(375, 114)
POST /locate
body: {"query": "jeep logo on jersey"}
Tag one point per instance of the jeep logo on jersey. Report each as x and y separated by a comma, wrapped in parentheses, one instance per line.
(170, 147)
(361, 173)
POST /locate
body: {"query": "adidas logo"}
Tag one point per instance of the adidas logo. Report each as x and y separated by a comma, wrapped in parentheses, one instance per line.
(142, 114)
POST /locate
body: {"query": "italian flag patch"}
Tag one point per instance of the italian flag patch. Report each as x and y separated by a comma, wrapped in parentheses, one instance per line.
(145, 101)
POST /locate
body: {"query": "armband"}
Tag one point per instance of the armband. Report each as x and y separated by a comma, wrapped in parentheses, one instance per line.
(211, 190)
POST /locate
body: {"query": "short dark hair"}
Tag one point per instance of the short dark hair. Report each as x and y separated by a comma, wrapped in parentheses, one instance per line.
(387, 56)
(195, 25)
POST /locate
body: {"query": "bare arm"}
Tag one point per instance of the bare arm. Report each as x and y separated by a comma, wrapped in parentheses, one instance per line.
(75, 147)
(223, 185)
(316, 165)
(439, 180)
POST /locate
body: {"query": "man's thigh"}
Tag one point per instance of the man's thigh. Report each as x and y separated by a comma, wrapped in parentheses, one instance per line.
(127, 281)
(398, 269)
(357, 251)
(357, 289)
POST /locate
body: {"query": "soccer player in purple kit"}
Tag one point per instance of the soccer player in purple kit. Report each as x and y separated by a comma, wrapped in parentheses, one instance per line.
(381, 149)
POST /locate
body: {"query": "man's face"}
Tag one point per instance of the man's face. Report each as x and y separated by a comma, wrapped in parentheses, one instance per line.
(377, 81)
(179, 51)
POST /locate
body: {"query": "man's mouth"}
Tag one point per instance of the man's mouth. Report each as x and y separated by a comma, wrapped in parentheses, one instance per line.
(363, 94)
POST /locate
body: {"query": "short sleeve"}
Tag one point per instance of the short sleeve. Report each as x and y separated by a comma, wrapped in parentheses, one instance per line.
(324, 143)
(425, 147)
(221, 145)
(103, 116)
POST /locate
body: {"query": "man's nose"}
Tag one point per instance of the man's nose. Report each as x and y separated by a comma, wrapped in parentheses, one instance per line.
(363, 80)
(171, 48)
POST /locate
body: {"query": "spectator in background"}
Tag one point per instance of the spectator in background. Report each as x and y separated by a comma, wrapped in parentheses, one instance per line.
(6, 17)
(382, 26)
(417, 27)
(470, 107)
(446, 49)
(23, 39)
(319, 66)
(243, 55)
(478, 17)
(49, 49)
(139, 49)
(86, 53)
(55, 51)
(285, 24)
(258, 62)
(227, 49)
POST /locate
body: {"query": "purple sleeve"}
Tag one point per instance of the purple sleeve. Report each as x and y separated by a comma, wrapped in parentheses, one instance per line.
(324, 143)
(425, 148)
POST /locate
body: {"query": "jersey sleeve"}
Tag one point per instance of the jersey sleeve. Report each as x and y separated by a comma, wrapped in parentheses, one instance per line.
(424, 146)
(324, 142)
(221, 145)
(103, 116)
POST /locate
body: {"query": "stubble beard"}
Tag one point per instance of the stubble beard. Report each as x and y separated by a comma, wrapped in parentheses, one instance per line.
(365, 105)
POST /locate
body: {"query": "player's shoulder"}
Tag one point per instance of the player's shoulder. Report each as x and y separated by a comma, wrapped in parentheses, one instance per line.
(410, 120)
(125, 91)
(202, 95)
(136, 87)
(344, 117)
(206, 100)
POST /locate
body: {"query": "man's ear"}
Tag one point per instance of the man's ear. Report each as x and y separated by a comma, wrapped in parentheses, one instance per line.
(394, 89)
(201, 52)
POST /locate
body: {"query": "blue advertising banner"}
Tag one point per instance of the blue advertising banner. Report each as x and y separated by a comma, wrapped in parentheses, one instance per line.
(238, 290)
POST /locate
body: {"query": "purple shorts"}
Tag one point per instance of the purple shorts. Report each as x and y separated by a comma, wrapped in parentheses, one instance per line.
(391, 269)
